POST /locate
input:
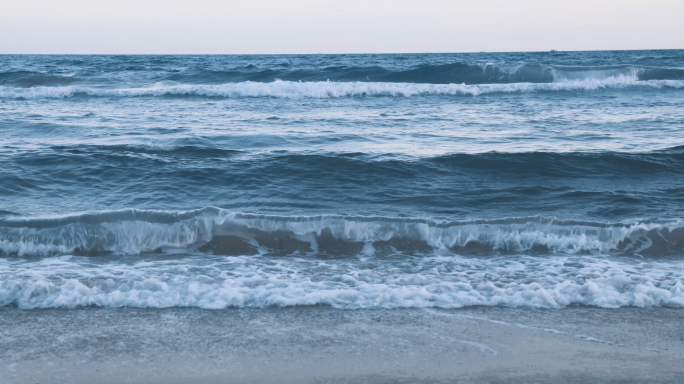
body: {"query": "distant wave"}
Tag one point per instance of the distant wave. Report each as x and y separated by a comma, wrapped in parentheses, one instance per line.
(288, 89)
(180, 150)
(217, 231)
(454, 73)
(27, 79)
(667, 161)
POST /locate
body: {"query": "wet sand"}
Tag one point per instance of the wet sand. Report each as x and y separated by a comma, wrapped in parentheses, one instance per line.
(324, 345)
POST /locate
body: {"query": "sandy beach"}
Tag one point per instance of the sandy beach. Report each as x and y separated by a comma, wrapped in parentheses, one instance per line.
(324, 345)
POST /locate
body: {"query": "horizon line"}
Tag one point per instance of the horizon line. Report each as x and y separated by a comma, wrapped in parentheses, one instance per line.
(338, 53)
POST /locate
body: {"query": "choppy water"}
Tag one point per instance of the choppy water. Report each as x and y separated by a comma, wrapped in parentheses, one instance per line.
(358, 181)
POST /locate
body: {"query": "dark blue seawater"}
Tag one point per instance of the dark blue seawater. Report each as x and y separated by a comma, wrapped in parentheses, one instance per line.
(357, 181)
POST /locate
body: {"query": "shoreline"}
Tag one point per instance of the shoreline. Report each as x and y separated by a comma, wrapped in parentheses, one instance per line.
(325, 345)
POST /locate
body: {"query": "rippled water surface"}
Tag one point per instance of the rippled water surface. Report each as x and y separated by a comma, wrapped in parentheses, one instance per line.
(357, 181)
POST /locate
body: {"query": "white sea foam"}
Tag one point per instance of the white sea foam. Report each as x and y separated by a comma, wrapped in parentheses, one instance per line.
(317, 90)
(624, 75)
(439, 282)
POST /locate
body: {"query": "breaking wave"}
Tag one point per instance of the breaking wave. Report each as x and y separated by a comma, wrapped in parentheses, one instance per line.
(219, 232)
(288, 89)
(452, 73)
(214, 280)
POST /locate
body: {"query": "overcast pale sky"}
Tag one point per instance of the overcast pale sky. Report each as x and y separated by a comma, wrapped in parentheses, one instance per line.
(336, 26)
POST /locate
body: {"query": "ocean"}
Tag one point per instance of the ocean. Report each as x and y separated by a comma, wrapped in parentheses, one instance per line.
(523, 180)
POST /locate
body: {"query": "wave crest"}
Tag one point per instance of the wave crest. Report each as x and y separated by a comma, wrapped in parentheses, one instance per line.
(322, 90)
(449, 73)
(28, 79)
(217, 231)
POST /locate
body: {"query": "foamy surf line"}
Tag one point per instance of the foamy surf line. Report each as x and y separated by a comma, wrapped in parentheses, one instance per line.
(435, 282)
(322, 90)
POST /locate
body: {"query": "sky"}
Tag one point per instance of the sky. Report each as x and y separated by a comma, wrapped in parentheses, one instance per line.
(336, 26)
